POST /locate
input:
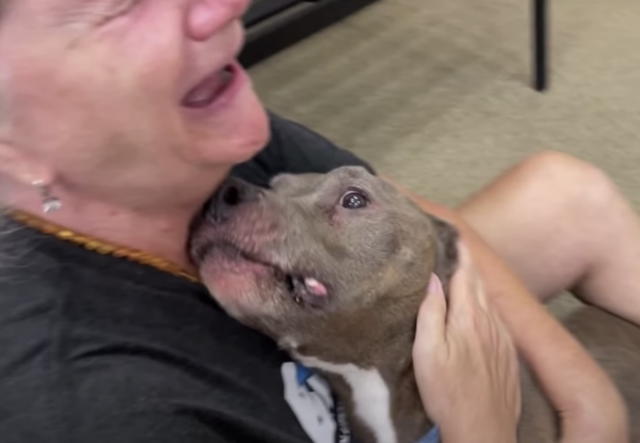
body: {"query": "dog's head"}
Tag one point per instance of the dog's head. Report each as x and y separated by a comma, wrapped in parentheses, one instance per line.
(331, 266)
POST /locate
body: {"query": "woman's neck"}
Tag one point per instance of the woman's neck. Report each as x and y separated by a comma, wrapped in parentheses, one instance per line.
(162, 233)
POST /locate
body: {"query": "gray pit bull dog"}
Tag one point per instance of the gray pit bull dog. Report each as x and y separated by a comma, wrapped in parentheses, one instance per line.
(334, 268)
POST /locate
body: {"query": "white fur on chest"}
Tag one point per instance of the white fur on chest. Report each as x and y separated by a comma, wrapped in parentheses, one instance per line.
(371, 398)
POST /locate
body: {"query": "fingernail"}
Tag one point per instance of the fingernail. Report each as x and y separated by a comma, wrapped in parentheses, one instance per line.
(435, 285)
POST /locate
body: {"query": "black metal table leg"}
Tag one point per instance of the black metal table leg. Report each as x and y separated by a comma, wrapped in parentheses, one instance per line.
(540, 45)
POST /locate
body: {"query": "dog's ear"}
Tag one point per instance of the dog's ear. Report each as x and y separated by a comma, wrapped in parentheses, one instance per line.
(446, 240)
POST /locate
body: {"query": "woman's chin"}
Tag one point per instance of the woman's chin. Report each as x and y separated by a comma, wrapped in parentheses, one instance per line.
(250, 136)
(238, 134)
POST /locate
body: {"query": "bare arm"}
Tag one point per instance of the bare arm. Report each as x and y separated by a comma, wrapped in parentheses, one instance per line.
(587, 401)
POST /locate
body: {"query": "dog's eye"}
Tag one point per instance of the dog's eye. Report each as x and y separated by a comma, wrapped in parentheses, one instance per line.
(354, 200)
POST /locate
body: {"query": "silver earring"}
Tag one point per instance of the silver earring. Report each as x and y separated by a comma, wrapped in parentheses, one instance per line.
(50, 203)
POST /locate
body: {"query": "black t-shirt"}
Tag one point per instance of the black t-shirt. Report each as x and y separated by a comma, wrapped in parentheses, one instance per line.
(95, 349)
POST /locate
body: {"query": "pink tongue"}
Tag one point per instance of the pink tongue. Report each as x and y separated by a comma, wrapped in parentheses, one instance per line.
(205, 91)
(315, 287)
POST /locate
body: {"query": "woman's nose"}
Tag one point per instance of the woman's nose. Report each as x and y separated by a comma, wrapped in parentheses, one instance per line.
(206, 17)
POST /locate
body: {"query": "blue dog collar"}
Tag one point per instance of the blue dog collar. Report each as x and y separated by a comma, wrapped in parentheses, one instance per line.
(303, 374)
(432, 437)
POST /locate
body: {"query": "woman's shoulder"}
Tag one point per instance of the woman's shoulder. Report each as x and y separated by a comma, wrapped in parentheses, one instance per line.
(90, 355)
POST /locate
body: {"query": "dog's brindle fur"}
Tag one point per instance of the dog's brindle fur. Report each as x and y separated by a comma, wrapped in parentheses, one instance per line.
(376, 262)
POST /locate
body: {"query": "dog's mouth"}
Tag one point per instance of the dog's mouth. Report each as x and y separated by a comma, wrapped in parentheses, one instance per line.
(303, 288)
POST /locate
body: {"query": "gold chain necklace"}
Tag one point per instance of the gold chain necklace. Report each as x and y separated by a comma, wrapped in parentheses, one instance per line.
(99, 246)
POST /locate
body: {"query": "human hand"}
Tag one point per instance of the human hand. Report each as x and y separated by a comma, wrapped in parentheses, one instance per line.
(465, 362)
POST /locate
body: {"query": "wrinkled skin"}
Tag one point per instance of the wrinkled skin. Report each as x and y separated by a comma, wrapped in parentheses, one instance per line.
(101, 90)
(252, 243)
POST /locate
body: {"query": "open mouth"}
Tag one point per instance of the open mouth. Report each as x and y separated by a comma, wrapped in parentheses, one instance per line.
(210, 89)
(304, 290)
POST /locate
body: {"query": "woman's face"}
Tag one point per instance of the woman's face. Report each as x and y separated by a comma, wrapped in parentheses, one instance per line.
(141, 96)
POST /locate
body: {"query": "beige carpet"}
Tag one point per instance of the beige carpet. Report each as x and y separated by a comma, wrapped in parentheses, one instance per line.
(435, 93)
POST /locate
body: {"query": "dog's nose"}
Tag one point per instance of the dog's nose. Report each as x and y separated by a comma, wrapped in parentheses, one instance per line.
(233, 193)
